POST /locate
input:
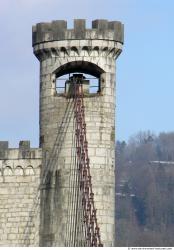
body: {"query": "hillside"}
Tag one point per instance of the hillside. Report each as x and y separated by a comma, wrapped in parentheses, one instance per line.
(145, 190)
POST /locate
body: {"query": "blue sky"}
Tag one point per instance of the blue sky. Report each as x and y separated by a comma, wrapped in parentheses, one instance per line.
(145, 78)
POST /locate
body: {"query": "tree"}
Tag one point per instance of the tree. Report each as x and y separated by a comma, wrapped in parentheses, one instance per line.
(145, 213)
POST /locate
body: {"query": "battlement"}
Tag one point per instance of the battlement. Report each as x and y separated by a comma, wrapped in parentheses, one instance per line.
(23, 152)
(57, 31)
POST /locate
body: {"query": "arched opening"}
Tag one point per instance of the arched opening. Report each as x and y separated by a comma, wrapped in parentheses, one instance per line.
(18, 171)
(29, 170)
(8, 171)
(89, 72)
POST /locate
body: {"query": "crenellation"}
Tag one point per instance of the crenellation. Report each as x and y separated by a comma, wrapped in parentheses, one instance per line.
(100, 24)
(18, 188)
(24, 145)
(27, 173)
(80, 28)
(23, 152)
(3, 149)
(118, 28)
(57, 31)
(3, 145)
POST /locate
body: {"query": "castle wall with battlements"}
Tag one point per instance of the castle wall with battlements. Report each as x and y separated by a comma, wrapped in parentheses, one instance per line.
(19, 194)
(38, 205)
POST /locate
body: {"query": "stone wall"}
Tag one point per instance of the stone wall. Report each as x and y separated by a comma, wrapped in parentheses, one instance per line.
(92, 51)
(57, 30)
(38, 205)
(19, 195)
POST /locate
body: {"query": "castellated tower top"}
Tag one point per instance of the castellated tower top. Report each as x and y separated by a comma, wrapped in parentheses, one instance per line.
(77, 63)
(57, 31)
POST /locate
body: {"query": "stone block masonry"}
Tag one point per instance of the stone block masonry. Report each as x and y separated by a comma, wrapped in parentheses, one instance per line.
(19, 194)
(57, 31)
(39, 200)
(63, 51)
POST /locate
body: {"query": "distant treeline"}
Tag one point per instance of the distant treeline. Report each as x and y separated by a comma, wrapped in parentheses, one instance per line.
(145, 190)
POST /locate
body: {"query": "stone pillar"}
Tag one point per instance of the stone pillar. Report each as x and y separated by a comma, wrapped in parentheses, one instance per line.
(62, 51)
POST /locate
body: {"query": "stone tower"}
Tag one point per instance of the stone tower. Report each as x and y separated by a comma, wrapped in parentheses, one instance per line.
(63, 52)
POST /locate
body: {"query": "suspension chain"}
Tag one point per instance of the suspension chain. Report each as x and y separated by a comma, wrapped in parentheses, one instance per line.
(93, 238)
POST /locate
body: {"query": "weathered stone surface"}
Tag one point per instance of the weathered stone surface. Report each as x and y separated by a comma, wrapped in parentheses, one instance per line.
(57, 31)
(80, 28)
(19, 195)
(38, 204)
(24, 145)
(92, 51)
(3, 148)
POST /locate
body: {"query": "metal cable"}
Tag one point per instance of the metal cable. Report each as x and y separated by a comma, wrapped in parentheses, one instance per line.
(90, 218)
